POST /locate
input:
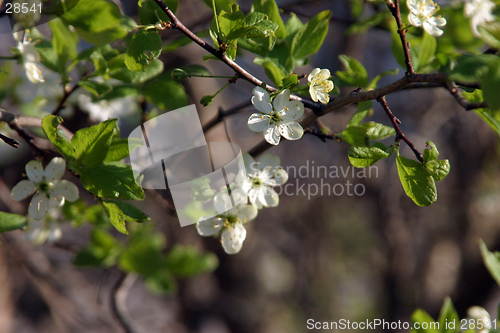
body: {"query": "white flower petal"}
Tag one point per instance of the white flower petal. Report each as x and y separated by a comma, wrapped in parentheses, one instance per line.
(291, 130)
(324, 74)
(271, 197)
(312, 92)
(64, 189)
(261, 100)
(222, 202)
(34, 170)
(55, 169)
(438, 21)
(54, 233)
(269, 160)
(209, 226)
(432, 29)
(272, 135)
(34, 72)
(314, 72)
(293, 111)
(414, 20)
(23, 189)
(281, 100)
(245, 212)
(323, 97)
(258, 122)
(39, 206)
(233, 237)
(279, 178)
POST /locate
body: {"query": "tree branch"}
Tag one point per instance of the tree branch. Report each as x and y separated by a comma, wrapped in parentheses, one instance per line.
(453, 89)
(394, 8)
(67, 93)
(176, 24)
(221, 113)
(399, 134)
(118, 300)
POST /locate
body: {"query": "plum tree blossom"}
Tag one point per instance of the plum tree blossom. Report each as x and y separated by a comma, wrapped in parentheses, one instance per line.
(29, 58)
(479, 12)
(422, 15)
(278, 118)
(49, 190)
(319, 85)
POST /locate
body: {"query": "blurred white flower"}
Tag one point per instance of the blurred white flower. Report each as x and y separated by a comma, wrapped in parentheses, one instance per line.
(231, 221)
(276, 119)
(44, 230)
(319, 85)
(481, 318)
(29, 58)
(479, 12)
(28, 12)
(49, 190)
(260, 179)
(422, 14)
(106, 109)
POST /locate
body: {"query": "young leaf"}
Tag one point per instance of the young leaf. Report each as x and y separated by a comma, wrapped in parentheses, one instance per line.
(470, 68)
(186, 261)
(364, 108)
(111, 180)
(64, 42)
(102, 250)
(92, 143)
(427, 50)
(355, 74)
(155, 91)
(421, 317)
(118, 212)
(361, 157)
(490, 83)
(310, 37)
(9, 222)
(491, 261)
(289, 81)
(292, 26)
(376, 131)
(95, 87)
(448, 315)
(49, 126)
(270, 8)
(431, 154)
(355, 136)
(438, 169)
(154, 68)
(417, 181)
(145, 46)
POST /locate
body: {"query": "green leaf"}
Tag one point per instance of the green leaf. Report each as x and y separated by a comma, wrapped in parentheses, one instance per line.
(47, 52)
(427, 51)
(420, 316)
(96, 21)
(491, 261)
(490, 83)
(376, 131)
(273, 72)
(9, 222)
(364, 108)
(289, 81)
(144, 256)
(438, 169)
(362, 26)
(111, 180)
(102, 250)
(355, 74)
(310, 37)
(165, 93)
(154, 69)
(431, 154)
(470, 68)
(49, 126)
(220, 4)
(182, 41)
(355, 136)
(417, 181)
(145, 46)
(147, 15)
(361, 157)
(270, 8)
(490, 33)
(119, 212)
(64, 42)
(118, 150)
(486, 115)
(92, 143)
(292, 26)
(186, 261)
(448, 315)
(95, 87)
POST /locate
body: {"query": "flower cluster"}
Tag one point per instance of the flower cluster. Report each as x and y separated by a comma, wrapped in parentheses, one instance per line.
(252, 190)
(49, 190)
(422, 15)
(29, 58)
(479, 12)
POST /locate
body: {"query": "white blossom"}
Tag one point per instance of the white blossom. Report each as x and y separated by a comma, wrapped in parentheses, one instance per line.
(29, 58)
(27, 18)
(481, 318)
(45, 230)
(231, 221)
(49, 190)
(106, 109)
(422, 15)
(278, 118)
(479, 12)
(260, 179)
(319, 85)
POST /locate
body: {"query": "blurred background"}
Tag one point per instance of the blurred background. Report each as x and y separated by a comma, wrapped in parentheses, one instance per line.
(322, 257)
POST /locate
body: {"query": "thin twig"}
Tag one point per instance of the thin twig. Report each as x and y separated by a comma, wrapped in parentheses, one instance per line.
(394, 8)
(67, 93)
(322, 136)
(176, 24)
(453, 89)
(399, 134)
(9, 141)
(118, 300)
